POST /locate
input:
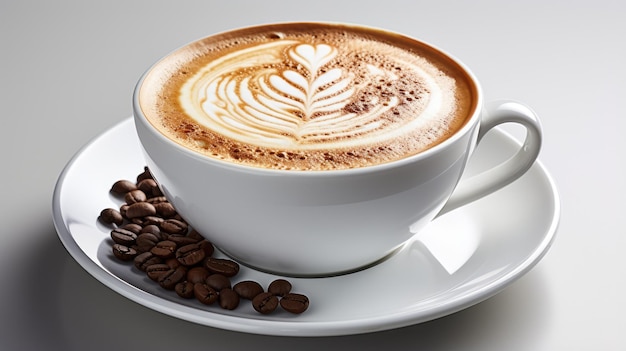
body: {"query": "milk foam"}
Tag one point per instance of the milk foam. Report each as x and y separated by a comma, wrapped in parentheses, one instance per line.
(255, 96)
(307, 97)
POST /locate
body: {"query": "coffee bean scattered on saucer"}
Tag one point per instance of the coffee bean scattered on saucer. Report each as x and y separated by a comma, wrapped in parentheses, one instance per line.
(149, 233)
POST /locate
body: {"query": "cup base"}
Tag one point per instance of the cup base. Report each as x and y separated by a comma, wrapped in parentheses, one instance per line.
(311, 275)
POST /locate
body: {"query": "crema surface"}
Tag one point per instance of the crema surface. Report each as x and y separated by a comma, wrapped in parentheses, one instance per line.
(307, 97)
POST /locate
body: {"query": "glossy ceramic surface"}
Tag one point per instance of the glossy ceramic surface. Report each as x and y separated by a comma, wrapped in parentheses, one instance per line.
(460, 259)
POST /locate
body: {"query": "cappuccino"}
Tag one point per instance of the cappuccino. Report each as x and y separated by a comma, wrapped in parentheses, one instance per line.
(307, 96)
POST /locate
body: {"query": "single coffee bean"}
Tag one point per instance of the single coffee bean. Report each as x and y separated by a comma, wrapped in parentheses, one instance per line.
(265, 302)
(138, 220)
(190, 255)
(195, 235)
(228, 299)
(204, 293)
(140, 209)
(294, 303)
(121, 187)
(142, 248)
(135, 228)
(148, 240)
(218, 282)
(184, 289)
(156, 192)
(181, 240)
(123, 209)
(124, 252)
(164, 249)
(197, 274)
(152, 229)
(155, 271)
(111, 216)
(152, 220)
(146, 259)
(207, 247)
(222, 266)
(248, 289)
(165, 209)
(157, 199)
(174, 226)
(172, 277)
(279, 287)
(144, 175)
(149, 187)
(172, 262)
(123, 236)
(135, 196)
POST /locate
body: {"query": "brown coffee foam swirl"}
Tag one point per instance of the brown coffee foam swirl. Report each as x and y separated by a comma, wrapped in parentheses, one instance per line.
(307, 96)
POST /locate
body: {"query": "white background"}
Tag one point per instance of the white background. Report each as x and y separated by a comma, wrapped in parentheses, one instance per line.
(67, 70)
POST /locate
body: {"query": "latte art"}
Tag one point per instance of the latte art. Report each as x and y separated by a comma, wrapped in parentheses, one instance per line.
(254, 96)
(246, 97)
(324, 97)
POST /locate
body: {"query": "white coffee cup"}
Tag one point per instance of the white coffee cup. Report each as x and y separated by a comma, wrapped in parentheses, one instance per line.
(318, 223)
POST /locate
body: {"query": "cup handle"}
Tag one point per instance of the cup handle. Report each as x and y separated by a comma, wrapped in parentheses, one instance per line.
(503, 174)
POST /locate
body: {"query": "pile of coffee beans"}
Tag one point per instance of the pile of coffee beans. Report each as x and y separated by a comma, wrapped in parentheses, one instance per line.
(151, 234)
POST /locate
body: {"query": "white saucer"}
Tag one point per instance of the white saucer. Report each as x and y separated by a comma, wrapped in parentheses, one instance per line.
(461, 259)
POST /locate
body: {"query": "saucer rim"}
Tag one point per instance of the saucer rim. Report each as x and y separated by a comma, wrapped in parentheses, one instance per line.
(296, 328)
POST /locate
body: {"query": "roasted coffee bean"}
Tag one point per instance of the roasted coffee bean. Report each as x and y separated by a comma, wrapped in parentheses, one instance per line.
(172, 277)
(135, 228)
(265, 302)
(124, 252)
(172, 262)
(138, 221)
(248, 289)
(143, 248)
(228, 299)
(181, 240)
(135, 196)
(174, 226)
(195, 235)
(156, 192)
(144, 175)
(121, 187)
(184, 289)
(161, 244)
(204, 293)
(146, 259)
(165, 209)
(197, 274)
(207, 247)
(149, 187)
(152, 229)
(222, 266)
(218, 282)
(123, 209)
(157, 199)
(140, 209)
(152, 220)
(111, 216)
(155, 271)
(190, 255)
(123, 236)
(148, 240)
(164, 249)
(279, 287)
(294, 303)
